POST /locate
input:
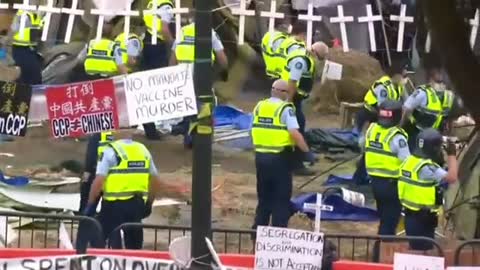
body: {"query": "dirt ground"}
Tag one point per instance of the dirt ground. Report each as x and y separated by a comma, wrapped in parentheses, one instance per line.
(234, 199)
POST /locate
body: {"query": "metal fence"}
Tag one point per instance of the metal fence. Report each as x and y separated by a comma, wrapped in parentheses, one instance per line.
(469, 258)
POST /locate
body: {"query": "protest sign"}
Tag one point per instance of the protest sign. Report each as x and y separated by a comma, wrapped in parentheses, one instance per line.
(14, 107)
(160, 94)
(417, 262)
(332, 71)
(82, 108)
(283, 249)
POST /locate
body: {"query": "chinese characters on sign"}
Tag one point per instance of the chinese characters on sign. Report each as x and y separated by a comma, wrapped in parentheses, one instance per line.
(14, 107)
(82, 108)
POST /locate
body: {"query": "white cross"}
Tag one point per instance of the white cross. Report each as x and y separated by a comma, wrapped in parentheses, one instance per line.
(155, 13)
(4, 5)
(310, 18)
(428, 43)
(370, 18)
(127, 13)
(73, 11)
(25, 6)
(178, 11)
(402, 19)
(242, 12)
(102, 12)
(318, 206)
(343, 30)
(272, 15)
(473, 33)
(48, 9)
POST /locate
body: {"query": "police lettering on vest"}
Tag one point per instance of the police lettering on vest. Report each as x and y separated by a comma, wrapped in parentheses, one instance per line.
(431, 114)
(415, 193)
(269, 134)
(380, 161)
(305, 84)
(149, 18)
(12, 124)
(100, 58)
(273, 58)
(393, 93)
(32, 33)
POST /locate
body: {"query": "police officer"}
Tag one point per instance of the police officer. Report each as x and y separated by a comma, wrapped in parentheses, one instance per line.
(270, 52)
(388, 87)
(155, 56)
(184, 52)
(275, 132)
(385, 149)
(299, 72)
(421, 183)
(127, 177)
(25, 46)
(296, 40)
(131, 48)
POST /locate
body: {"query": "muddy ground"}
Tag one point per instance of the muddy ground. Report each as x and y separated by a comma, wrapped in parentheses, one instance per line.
(234, 200)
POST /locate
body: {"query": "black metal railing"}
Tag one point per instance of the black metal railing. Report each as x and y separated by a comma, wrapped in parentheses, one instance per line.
(40, 230)
(471, 258)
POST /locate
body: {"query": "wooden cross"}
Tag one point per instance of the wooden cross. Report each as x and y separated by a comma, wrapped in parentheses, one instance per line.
(4, 5)
(310, 18)
(473, 33)
(343, 30)
(25, 6)
(318, 206)
(48, 9)
(402, 19)
(178, 11)
(242, 12)
(127, 13)
(428, 43)
(154, 12)
(272, 15)
(102, 12)
(73, 11)
(370, 18)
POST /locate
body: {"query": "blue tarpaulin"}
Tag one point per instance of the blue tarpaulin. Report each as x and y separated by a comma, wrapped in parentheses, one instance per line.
(14, 181)
(342, 210)
(334, 180)
(228, 115)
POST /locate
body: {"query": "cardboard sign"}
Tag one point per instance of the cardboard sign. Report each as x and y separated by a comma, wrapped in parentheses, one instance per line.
(82, 108)
(14, 108)
(417, 262)
(332, 71)
(282, 248)
(160, 94)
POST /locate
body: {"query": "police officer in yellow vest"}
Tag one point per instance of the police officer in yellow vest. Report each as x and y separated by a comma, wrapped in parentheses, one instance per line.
(131, 48)
(270, 52)
(275, 133)
(299, 72)
(127, 179)
(385, 149)
(294, 41)
(452, 108)
(184, 52)
(25, 45)
(421, 184)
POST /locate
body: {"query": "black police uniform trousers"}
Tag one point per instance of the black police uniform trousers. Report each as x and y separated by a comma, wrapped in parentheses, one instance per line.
(274, 188)
(420, 223)
(153, 57)
(116, 213)
(30, 63)
(299, 154)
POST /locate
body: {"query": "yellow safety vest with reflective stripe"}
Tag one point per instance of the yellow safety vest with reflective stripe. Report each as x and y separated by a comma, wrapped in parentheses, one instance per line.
(185, 49)
(393, 93)
(269, 134)
(273, 59)
(149, 18)
(305, 84)
(431, 115)
(31, 34)
(379, 159)
(100, 59)
(105, 139)
(413, 192)
(120, 40)
(447, 102)
(131, 176)
(285, 47)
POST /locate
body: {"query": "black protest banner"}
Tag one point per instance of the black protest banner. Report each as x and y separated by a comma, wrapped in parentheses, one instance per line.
(14, 107)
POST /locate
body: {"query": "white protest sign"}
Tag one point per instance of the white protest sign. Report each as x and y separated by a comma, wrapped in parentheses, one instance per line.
(417, 262)
(160, 94)
(282, 248)
(352, 197)
(332, 71)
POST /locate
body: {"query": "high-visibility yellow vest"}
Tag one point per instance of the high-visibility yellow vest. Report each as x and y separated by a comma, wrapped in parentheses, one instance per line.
(131, 176)
(285, 47)
(100, 59)
(149, 18)
(32, 34)
(120, 40)
(305, 84)
(393, 93)
(447, 102)
(273, 59)
(379, 159)
(431, 115)
(105, 139)
(269, 135)
(185, 49)
(413, 192)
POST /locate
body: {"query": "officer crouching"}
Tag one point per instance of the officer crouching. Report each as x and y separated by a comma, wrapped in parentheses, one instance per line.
(421, 184)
